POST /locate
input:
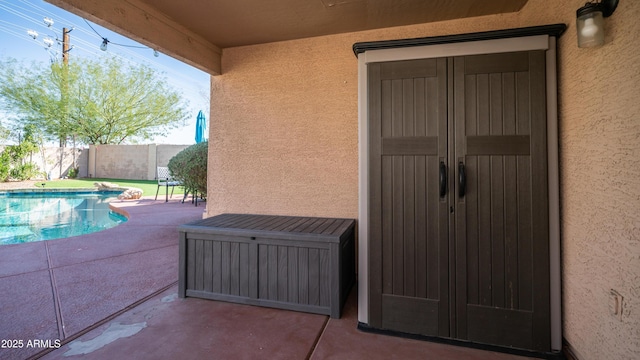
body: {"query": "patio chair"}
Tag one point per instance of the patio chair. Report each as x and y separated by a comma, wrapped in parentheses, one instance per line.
(165, 180)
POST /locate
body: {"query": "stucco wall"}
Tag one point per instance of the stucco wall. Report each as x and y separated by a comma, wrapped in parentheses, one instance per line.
(283, 140)
(284, 130)
(600, 187)
(136, 162)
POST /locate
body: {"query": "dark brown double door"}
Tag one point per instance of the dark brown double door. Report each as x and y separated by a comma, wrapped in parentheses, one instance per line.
(458, 198)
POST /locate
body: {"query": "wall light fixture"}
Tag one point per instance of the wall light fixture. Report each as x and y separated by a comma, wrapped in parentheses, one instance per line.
(590, 24)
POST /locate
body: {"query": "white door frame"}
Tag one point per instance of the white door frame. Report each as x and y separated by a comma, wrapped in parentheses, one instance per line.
(526, 43)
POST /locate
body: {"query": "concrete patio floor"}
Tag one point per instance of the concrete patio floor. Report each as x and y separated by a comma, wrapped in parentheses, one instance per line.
(53, 290)
(113, 295)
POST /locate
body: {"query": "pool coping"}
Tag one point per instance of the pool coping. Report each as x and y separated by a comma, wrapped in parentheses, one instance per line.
(62, 191)
(73, 191)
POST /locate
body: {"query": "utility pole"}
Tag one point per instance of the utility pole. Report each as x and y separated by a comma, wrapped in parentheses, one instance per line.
(65, 45)
(65, 95)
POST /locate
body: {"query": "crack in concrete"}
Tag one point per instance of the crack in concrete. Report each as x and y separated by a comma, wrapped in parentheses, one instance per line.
(56, 296)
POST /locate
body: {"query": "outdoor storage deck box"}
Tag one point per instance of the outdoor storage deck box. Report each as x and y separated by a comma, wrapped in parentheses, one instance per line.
(295, 263)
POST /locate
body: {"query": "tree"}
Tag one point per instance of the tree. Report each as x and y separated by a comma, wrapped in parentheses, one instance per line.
(13, 163)
(29, 93)
(4, 133)
(96, 101)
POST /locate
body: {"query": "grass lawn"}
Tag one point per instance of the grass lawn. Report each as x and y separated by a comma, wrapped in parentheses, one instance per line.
(148, 187)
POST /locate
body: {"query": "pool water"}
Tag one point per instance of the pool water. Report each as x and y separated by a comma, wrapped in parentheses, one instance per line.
(36, 216)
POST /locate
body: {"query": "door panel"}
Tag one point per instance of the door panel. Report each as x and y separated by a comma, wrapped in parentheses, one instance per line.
(501, 326)
(409, 236)
(474, 266)
(501, 240)
(411, 314)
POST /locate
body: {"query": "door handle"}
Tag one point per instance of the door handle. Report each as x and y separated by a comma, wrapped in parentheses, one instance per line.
(443, 179)
(462, 180)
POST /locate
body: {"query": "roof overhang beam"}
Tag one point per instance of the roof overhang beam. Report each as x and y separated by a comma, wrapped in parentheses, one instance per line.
(150, 27)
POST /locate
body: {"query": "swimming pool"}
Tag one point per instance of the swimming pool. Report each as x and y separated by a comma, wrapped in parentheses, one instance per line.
(27, 216)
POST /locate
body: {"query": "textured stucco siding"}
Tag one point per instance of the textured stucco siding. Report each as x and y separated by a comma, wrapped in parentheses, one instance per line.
(284, 130)
(600, 188)
(283, 140)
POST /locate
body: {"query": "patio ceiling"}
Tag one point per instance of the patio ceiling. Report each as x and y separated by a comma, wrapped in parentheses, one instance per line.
(195, 31)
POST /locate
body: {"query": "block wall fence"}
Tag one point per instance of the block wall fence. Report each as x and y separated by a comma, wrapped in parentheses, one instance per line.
(133, 162)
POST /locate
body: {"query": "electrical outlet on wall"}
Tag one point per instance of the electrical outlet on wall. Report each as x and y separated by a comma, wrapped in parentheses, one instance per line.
(616, 304)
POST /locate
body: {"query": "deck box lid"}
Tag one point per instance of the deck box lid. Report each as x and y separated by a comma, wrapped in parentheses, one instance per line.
(282, 227)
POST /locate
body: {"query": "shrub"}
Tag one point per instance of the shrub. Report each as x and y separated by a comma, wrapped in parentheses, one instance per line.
(72, 173)
(12, 166)
(12, 161)
(5, 165)
(189, 166)
(24, 171)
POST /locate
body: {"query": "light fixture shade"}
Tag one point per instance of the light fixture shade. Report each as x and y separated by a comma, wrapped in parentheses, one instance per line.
(48, 42)
(103, 46)
(590, 26)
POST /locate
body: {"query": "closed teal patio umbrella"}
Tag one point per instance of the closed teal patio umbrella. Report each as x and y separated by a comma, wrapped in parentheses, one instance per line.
(201, 127)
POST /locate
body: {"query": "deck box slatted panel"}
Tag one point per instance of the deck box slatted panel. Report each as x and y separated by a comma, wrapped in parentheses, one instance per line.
(296, 263)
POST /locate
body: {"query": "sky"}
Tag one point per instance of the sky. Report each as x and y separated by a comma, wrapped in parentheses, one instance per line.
(17, 17)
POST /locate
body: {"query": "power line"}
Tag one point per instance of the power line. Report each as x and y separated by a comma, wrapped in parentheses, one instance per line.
(86, 46)
(26, 17)
(22, 15)
(44, 13)
(34, 6)
(19, 14)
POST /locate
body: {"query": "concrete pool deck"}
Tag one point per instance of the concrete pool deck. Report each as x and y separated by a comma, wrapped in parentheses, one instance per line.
(113, 295)
(55, 289)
